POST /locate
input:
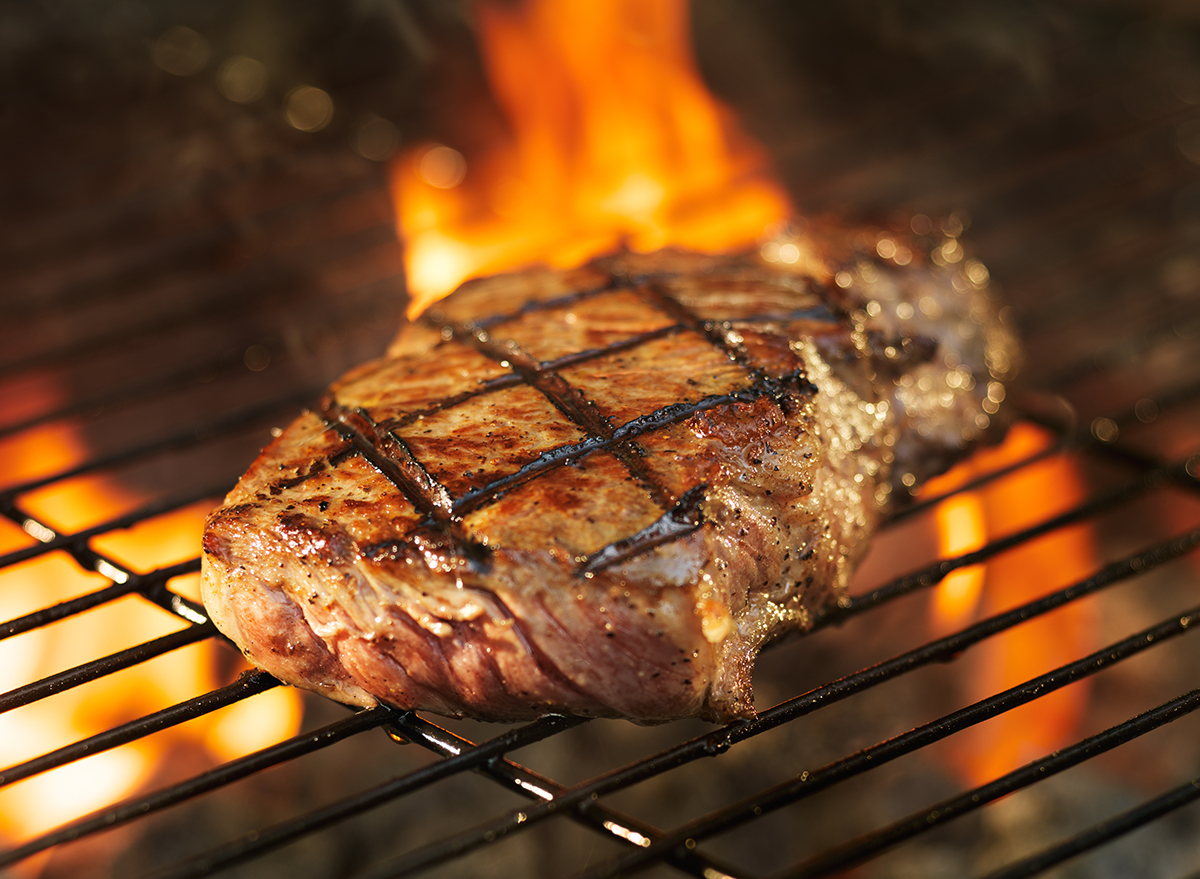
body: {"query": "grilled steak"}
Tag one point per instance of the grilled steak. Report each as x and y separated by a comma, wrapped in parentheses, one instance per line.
(600, 491)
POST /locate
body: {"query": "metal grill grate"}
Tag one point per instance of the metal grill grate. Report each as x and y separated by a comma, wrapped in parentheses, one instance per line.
(679, 844)
(156, 325)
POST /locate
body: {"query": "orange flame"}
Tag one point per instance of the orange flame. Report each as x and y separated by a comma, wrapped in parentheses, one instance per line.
(49, 799)
(1035, 492)
(615, 142)
(962, 528)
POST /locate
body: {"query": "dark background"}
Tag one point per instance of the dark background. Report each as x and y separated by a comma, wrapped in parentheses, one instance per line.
(1063, 128)
(181, 271)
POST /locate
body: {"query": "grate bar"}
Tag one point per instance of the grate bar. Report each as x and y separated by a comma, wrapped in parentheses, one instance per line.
(1080, 438)
(137, 583)
(248, 684)
(198, 434)
(932, 573)
(76, 543)
(1117, 353)
(858, 850)
(716, 742)
(229, 301)
(809, 783)
(1104, 832)
(213, 369)
(156, 386)
(60, 186)
(528, 783)
(917, 507)
(261, 841)
(1186, 475)
(223, 775)
(170, 249)
(90, 671)
(410, 727)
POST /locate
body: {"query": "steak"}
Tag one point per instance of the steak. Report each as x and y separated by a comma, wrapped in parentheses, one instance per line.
(601, 491)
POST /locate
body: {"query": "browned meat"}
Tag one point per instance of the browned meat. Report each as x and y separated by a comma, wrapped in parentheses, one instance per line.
(601, 491)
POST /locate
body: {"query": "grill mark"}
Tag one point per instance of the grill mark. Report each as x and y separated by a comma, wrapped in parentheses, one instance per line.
(655, 294)
(821, 314)
(318, 465)
(613, 348)
(342, 454)
(436, 548)
(391, 457)
(488, 386)
(278, 486)
(513, 379)
(681, 520)
(441, 534)
(391, 550)
(777, 389)
(436, 318)
(569, 400)
(564, 396)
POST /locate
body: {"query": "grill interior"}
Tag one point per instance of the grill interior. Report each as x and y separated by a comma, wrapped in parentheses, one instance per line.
(182, 273)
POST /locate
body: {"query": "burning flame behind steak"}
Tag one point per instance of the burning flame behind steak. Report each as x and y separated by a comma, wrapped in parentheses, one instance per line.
(600, 490)
(606, 495)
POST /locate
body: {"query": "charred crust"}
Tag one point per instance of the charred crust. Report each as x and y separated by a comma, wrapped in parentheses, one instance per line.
(278, 486)
(217, 545)
(681, 520)
(569, 400)
(390, 456)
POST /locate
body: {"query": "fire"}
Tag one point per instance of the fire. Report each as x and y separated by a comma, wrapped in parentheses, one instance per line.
(962, 528)
(35, 805)
(1035, 492)
(615, 141)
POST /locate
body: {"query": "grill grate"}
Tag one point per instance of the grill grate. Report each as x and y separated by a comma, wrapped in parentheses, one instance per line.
(677, 845)
(156, 324)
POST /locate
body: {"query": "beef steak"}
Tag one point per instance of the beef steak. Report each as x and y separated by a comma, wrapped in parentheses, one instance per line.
(601, 491)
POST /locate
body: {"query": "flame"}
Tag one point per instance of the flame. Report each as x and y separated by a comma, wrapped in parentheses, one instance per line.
(962, 528)
(1033, 493)
(615, 141)
(52, 798)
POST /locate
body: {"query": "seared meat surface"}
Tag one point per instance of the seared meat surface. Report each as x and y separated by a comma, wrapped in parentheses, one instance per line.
(600, 491)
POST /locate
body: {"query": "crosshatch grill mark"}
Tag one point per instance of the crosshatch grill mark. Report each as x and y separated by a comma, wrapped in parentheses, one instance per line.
(392, 457)
(578, 409)
(434, 316)
(513, 379)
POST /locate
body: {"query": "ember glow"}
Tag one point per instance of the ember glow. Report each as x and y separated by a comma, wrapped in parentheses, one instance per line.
(961, 528)
(615, 141)
(51, 798)
(1034, 493)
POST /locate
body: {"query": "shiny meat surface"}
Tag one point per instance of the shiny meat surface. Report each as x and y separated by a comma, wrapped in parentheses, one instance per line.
(601, 491)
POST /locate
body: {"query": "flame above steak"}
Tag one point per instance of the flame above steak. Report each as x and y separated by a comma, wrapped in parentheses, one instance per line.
(615, 141)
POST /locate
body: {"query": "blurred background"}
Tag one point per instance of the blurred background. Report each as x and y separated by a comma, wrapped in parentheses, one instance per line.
(196, 236)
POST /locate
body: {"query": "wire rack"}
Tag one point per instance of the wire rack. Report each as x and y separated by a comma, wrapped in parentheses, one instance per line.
(158, 325)
(681, 845)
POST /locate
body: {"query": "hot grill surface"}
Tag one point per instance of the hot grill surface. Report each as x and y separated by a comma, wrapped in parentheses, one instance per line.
(182, 274)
